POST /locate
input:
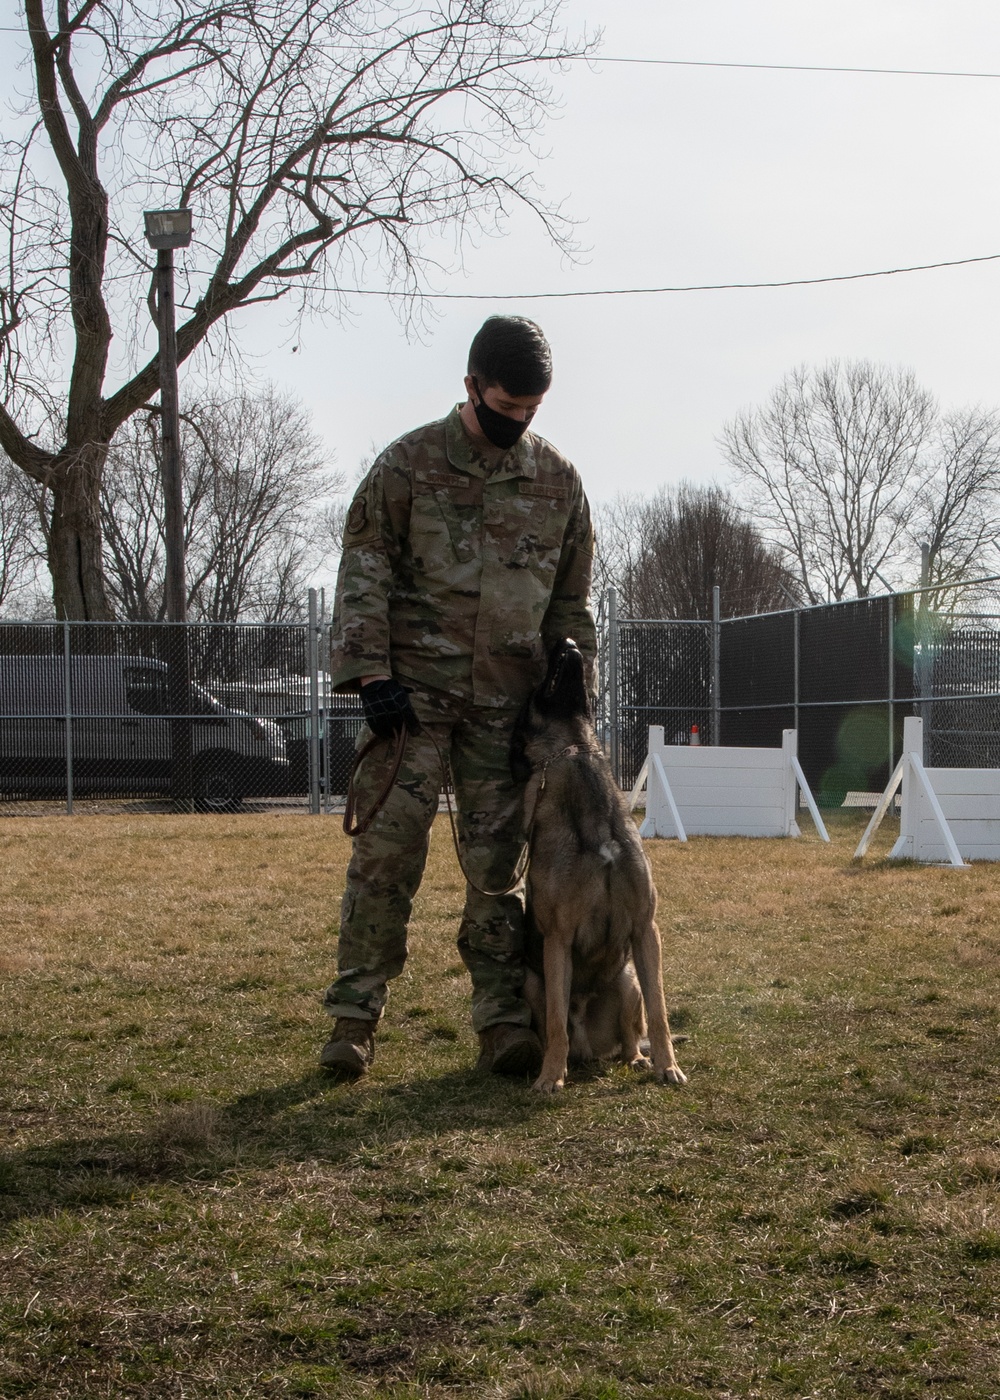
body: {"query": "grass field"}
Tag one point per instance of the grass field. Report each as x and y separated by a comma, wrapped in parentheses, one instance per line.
(189, 1210)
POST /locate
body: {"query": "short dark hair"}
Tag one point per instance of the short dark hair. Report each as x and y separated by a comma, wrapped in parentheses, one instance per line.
(511, 351)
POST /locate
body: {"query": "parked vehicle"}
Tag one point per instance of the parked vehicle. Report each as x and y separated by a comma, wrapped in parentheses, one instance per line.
(122, 733)
(339, 727)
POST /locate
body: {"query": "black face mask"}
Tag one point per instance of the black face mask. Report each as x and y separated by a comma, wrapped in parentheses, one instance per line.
(497, 427)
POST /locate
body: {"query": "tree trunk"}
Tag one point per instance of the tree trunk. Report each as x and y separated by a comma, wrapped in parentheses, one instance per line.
(74, 537)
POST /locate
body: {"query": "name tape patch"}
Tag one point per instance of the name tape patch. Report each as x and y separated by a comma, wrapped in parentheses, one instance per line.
(550, 493)
(439, 478)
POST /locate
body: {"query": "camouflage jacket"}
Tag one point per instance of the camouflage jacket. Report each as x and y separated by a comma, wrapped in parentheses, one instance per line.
(459, 571)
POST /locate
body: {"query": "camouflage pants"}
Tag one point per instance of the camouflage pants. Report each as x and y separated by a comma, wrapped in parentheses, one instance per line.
(388, 861)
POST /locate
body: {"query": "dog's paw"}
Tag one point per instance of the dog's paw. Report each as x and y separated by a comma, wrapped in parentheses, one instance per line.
(544, 1084)
(672, 1075)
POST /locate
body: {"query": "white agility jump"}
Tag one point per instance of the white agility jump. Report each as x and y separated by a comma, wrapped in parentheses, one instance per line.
(948, 815)
(716, 791)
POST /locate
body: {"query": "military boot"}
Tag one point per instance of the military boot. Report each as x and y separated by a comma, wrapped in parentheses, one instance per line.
(509, 1049)
(350, 1049)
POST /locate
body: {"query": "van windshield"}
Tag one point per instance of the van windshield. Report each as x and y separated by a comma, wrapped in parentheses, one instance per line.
(146, 690)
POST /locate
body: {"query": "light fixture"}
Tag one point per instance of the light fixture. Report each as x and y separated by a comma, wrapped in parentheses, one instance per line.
(168, 228)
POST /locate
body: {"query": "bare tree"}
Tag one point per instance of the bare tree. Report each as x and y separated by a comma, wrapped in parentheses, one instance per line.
(22, 544)
(315, 140)
(132, 519)
(255, 481)
(618, 530)
(832, 467)
(957, 514)
(666, 553)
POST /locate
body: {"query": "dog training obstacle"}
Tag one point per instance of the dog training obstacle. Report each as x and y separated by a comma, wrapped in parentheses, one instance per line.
(718, 791)
(948, 815)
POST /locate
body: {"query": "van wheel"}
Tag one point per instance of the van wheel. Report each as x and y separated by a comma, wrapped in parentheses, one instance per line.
(215, 788)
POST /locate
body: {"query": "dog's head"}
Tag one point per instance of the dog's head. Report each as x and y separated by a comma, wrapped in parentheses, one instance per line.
(559, 702)
(563, 692)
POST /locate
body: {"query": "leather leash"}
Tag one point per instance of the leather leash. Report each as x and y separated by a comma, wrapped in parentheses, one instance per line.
(520, 870)
(353, 828)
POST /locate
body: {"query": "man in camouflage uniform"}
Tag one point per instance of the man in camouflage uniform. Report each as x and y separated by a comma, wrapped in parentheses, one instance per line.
(467, 554)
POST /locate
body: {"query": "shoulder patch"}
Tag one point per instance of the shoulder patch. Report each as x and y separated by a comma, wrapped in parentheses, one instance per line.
(362, 522)
(357, 516)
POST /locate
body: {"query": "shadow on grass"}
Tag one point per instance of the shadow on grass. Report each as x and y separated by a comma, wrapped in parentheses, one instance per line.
(309, 1119)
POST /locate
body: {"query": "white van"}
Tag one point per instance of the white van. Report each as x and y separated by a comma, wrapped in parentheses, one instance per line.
(122, 733)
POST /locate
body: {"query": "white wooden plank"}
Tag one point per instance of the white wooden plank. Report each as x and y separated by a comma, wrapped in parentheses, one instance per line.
(960, 781)
(707, 758)
(978, 832)
(932, 854)
(719, 778)
(716, 821)
(727, 795)
(959, 807)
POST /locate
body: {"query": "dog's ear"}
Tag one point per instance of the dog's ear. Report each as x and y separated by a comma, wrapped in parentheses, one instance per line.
(520, 768)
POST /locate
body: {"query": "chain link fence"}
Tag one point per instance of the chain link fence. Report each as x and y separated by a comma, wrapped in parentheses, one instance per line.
(223, 716)
(845, 675)
(196, 717)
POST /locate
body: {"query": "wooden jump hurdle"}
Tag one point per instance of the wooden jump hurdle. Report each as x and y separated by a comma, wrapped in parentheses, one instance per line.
(716, 791)
(948, 816)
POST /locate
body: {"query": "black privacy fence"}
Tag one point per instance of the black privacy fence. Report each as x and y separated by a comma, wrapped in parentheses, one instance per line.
(844, 675)
(198, 717)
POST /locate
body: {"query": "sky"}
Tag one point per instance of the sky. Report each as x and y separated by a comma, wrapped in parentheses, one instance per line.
(694, 175)
(681, 175)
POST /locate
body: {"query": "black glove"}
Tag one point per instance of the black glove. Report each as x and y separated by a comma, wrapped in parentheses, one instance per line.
(386, 706)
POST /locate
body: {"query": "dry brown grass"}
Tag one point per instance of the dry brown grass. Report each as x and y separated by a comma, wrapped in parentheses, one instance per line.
(192, 1211)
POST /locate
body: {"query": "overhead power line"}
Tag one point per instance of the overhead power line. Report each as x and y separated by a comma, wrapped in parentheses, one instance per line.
(789, 67)
(654, 291)
(716, 63)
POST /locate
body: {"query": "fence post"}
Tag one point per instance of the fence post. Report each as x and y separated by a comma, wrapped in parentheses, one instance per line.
(601, 703)
(182, 784)
(716, 736)
(313, 705)
(68, 699)
(923, 632)
(796, 620)
(613, 745)
(891, 692)
(324, 653)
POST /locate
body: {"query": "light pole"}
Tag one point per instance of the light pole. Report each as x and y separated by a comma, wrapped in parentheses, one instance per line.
(167, 229)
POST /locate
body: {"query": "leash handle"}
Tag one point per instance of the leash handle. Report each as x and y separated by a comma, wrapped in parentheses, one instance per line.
(358, 828)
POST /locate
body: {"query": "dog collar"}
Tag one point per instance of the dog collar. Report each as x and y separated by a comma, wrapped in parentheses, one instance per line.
(570, 751)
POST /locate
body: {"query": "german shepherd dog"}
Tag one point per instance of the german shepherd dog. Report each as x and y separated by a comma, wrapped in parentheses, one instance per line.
(590, 895)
